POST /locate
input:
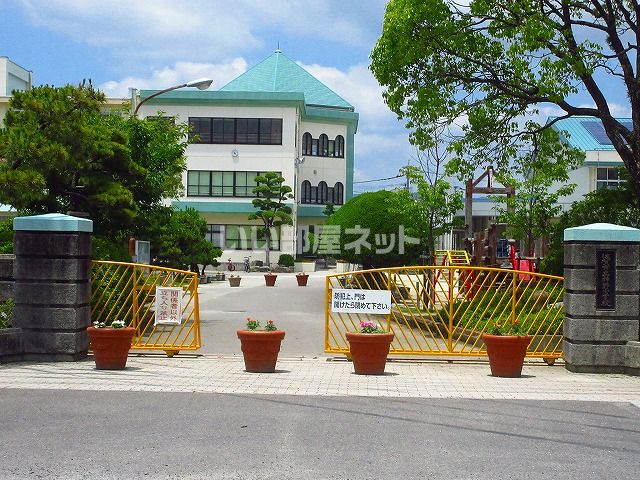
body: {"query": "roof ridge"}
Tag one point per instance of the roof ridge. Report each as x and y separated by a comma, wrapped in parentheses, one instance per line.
(277, 53)
(276, 74)
(247, 71)
(314, 78)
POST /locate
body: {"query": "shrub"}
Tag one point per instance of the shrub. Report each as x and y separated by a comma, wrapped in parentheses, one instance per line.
(6, 314)
(286, 260)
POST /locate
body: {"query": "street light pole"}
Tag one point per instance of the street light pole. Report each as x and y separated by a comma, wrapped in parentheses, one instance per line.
(201, 84)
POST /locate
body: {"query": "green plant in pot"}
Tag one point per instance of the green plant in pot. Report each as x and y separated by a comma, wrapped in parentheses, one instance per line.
(260, 346)
(369, 348)
(302, 278)
(110, 344)
(506, 344)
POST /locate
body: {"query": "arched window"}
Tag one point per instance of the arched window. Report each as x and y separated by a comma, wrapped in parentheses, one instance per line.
(306, 192)
(339, 148)
(307, 141)
(323, 145)
(323, 193)
(338, 194)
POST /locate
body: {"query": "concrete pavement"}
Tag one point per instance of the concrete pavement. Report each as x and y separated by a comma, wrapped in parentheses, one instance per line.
(324, 377)
(297, 310)
(131, 435)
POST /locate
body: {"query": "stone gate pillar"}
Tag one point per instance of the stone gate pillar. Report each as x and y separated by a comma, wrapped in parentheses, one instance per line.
(602, 299)
(52, 290)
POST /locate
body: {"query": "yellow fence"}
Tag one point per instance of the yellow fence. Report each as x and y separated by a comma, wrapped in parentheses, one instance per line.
(127, 291)
(443, 310)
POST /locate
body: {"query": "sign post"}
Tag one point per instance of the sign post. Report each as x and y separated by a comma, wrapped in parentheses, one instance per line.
(168, 306)
(349, 300)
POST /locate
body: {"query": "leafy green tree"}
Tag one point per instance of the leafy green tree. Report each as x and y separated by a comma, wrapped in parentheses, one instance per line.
(178, 238)
(487, 64)
(60, 153)
(329, 209)
(429, 212)
(368, 221)
(6, 236)
(540, 181)
(608, 205)
(272, 209)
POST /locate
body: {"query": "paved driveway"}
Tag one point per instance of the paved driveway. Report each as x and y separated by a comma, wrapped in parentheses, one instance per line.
(297, 310)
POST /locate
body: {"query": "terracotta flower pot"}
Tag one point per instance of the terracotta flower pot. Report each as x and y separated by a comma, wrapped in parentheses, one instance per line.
(302, 280)
(506, 354)
(369, 351)
(110, 346)
(260, 349)
(270, 279)
(234, 281)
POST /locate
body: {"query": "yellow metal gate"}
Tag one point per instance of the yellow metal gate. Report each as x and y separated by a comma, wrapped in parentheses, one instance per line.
(127, 291)
(443, 310)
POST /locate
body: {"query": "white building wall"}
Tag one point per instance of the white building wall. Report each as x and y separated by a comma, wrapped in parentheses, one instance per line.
(13, 77)
(264, 158)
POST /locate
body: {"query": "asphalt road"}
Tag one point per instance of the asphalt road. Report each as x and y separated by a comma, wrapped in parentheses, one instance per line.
(97, 435)
(297, 310)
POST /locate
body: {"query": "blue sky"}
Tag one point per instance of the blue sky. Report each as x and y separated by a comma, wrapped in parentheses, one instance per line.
(154, 44)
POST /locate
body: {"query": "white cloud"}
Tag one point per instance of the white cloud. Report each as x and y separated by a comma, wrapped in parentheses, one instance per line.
(180, 72)
(167, 30)
(201, 30)
(616, 109)
(357, 86)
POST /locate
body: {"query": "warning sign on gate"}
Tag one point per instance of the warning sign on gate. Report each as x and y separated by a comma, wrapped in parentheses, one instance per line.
(168, 306)
(347, 300)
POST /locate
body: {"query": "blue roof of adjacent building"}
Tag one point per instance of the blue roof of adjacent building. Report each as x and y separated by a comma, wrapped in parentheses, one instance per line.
(277, 73)
(586, 133)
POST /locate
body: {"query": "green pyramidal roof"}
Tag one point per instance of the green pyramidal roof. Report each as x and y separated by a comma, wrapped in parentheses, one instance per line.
(277, 73)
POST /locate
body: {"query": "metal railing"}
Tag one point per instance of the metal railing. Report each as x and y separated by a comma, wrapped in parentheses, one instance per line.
(443, 310)
(127, 291)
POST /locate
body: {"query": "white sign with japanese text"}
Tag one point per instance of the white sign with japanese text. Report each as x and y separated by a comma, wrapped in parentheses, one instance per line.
(168, 306)
(348, 300)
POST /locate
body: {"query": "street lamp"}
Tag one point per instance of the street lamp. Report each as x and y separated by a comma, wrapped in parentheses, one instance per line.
(200, 84)
(299, 160)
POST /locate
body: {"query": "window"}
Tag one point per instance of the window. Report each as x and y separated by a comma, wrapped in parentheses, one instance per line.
(271, 131)
(247, 130)
(215, 235)
(223, 130)
(306, 143)
(306, 192)
(198, 183)
(241, 131)
(322, 194)
(246, 237)
(608, 178)
(338, 194)
(331, 151)
(222, 184)
(202, 183)
(200, 130)
(339, 147)
(322, 146)
(245, 183)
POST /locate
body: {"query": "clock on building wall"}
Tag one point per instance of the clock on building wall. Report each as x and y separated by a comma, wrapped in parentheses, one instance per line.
(235, 153)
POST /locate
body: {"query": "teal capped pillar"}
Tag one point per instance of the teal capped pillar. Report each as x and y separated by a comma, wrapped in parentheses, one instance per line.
(52, 290)
(602, 299)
